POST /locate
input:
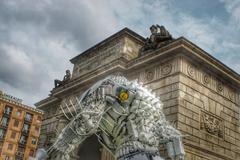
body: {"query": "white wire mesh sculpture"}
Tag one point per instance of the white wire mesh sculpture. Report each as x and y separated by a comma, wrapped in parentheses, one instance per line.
(127, 119)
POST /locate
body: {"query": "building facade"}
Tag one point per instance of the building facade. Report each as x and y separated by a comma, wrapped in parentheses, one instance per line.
(19, 129)
(200, 94)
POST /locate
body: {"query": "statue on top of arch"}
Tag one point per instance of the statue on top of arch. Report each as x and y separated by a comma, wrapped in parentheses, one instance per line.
(159, 37)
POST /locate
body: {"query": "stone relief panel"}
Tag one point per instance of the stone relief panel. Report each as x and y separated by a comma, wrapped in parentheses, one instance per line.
(166, 69)
(149, 74)
(158, 71)
(206, 79)
(219, 87)
(212, 124)
(191, 70)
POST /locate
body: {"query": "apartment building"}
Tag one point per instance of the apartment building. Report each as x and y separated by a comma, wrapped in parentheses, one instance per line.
(20, 127)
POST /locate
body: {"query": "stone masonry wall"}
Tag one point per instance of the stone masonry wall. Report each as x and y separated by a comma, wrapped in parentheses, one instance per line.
(209, 113)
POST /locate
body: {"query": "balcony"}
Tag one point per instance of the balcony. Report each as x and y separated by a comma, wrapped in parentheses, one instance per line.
(26, 128)
(2, 134)
(4, 122)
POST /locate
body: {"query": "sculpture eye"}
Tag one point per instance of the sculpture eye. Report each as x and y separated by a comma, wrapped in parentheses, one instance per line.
(123, 96)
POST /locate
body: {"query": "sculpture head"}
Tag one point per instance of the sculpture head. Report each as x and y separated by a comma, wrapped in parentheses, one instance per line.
(153, 29)
(68, 71)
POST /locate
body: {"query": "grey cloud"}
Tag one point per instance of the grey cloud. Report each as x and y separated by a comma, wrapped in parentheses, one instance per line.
(17, 74)
(45, 34)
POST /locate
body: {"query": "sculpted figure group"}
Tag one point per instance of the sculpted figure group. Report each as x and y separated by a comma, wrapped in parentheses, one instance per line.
(159, 36)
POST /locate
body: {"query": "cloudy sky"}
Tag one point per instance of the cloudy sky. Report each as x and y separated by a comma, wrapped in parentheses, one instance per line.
(37, 38)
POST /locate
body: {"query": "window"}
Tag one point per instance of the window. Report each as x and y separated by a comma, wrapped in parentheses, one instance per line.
(16, 123)
(23, 140)
(28, 117)
(36, 130)
(10, 146)
(2, 132)
(4, 121)
(26, 127)
(8, 110)
(19, 112)
(34, 141)
(13, 135)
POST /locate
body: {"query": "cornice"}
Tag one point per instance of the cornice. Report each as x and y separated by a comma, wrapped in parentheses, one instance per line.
(21, 105)
(117, 64)
(183, 46)
(205, 58)
(180, 46)
(46, 101)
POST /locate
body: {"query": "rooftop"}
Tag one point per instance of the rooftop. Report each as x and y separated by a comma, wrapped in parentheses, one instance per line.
(19, 104)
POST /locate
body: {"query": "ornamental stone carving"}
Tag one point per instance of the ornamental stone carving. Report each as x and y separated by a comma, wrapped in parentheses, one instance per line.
(219, 86)
(190, 70)
(212, 124)
(166, 69)
(149, 75)
(206, 79)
